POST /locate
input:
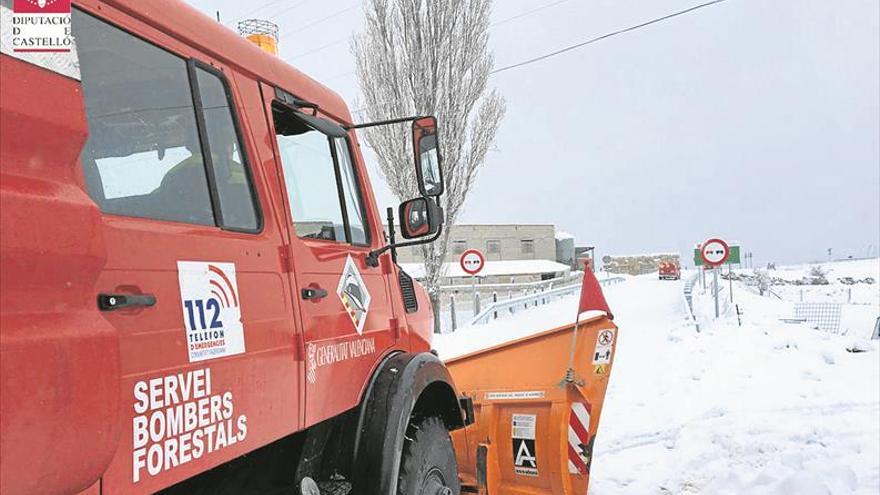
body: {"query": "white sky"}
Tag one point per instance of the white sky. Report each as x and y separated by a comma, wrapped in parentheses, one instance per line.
(753, 120)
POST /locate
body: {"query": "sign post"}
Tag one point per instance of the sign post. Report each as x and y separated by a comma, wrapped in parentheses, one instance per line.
(714, 253)
(472, 262)
(730, 279)
(715, 288)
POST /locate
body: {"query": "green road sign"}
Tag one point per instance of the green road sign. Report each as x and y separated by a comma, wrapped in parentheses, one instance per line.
(732, 260)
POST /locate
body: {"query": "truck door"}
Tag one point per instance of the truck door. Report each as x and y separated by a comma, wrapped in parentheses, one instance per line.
(191, 281)
(347, 318)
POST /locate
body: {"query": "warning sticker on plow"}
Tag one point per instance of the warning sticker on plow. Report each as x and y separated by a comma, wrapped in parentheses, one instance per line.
(525, 461)
(604, 347)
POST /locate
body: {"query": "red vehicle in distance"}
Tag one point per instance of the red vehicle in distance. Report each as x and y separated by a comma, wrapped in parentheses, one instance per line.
(669, 270)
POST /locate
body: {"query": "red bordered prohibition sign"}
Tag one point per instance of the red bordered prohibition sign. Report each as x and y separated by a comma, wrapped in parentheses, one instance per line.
(715, 252)
(472, 261)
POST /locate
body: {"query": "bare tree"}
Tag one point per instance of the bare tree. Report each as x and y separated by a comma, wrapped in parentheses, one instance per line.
(762, 280)
(424, 57)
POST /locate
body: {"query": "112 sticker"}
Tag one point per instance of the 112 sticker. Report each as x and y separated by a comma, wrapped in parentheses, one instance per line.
(211, 309)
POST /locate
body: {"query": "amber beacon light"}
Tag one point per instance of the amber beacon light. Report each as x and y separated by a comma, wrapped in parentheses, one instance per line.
(260, 32)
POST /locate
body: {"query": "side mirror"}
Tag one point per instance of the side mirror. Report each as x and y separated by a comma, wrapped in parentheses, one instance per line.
(427, 156)
(419, 217)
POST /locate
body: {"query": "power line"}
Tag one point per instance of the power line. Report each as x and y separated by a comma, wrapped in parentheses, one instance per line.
(572, 47)
(323, 19)
(605, 36)
(503, 21)
(287, 9)
(320, 48)
(529, 12)
(306, 26)
(263, 6)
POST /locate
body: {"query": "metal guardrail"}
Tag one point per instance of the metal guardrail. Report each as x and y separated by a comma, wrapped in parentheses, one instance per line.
(689, 297)
(514, 286)
(611, 280)
(689, 292)
(510, 306)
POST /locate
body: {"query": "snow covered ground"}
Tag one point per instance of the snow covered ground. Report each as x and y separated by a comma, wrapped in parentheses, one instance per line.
(859, 292)
(764, 408)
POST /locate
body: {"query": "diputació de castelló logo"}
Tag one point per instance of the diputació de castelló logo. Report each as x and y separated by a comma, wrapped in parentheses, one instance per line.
(41, 26)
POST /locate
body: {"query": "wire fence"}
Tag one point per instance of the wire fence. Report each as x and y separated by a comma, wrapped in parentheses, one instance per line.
(822, 316)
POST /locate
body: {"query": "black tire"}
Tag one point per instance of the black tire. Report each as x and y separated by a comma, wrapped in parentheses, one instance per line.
(428, 465)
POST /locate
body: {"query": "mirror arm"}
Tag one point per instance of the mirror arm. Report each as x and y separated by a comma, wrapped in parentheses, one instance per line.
(373, 256)
(391, 234)
(380, 122)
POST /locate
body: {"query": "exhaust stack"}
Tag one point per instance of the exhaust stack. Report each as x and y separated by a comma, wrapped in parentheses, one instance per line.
(260, 32)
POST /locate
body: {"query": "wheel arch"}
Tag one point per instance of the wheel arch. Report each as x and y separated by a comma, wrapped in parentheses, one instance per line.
(403, 385)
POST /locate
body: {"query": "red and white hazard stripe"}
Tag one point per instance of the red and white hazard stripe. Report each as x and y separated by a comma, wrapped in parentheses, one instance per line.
(578, 435)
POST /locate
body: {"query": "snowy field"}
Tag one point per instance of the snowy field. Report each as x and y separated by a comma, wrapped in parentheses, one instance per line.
(763, 408)
(858, 292)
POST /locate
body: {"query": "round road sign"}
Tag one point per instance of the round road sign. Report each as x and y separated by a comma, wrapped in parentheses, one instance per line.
(715, 252)
(472, 261)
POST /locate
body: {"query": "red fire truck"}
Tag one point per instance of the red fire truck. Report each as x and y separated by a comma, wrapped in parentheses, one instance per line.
(193, 268)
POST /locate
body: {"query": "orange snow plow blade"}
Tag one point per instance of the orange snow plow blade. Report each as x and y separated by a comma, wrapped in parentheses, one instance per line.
(534, 430)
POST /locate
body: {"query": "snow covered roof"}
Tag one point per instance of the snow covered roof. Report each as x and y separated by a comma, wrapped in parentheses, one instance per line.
(492, 268)
(562, 235)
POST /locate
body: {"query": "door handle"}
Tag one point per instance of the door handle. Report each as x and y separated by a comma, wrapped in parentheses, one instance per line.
(313, 293)
(110, 302)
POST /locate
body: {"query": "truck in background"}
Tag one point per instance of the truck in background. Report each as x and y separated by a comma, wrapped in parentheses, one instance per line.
(669, 270)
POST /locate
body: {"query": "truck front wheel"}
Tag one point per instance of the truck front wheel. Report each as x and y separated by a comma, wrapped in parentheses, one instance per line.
(428, 465)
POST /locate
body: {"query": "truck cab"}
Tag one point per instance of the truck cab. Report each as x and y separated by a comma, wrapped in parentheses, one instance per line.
(196, 284)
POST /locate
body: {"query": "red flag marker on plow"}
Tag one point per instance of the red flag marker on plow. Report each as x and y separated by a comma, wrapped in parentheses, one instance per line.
(592, 299)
